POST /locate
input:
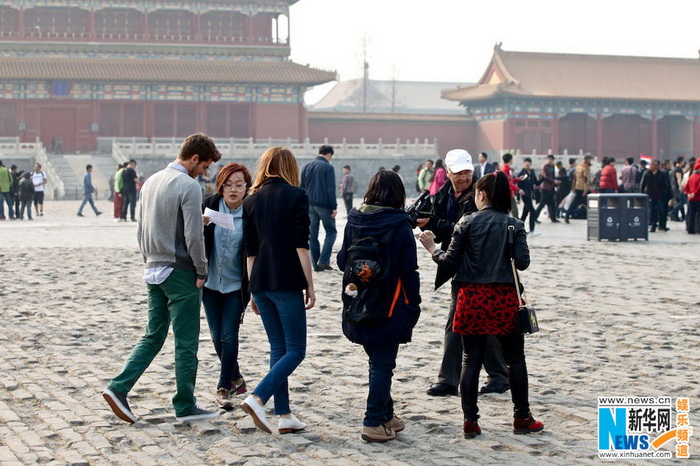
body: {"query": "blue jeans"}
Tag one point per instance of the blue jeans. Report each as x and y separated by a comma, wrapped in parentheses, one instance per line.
(224, 314)
(284, 318)
(87, 198)
(677, 213)
(8, 198)
(380, 405)
(321, 214)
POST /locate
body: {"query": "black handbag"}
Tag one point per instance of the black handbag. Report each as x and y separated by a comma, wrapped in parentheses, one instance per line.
(526, 315)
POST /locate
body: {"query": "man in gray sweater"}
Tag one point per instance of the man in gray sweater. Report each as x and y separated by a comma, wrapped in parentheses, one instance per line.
(171, 238)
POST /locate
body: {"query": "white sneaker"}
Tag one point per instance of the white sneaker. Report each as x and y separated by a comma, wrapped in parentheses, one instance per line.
(290, 425)
(257, 411)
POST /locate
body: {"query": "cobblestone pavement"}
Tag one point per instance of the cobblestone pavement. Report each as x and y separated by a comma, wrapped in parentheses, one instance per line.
(617, 319)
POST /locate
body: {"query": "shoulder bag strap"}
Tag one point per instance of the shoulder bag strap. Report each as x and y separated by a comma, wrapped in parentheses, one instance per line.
(516, 277)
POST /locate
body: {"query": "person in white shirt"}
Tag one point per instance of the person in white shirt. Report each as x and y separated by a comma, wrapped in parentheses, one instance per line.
(39, 180)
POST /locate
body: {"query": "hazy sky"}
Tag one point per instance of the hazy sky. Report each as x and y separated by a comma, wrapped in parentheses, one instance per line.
(452, 40)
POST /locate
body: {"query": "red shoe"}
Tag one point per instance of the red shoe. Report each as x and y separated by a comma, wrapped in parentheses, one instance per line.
(471, 429)
(526, 425)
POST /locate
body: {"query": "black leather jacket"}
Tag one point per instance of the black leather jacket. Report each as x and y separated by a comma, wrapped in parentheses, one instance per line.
(442, 227)
(479, 251)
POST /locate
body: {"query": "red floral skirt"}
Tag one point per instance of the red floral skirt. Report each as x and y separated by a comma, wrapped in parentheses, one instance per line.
(486, 309)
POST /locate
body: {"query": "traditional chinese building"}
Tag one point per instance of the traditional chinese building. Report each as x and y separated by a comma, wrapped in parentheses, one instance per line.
(617, 106)
(387, 111)
(76, 70)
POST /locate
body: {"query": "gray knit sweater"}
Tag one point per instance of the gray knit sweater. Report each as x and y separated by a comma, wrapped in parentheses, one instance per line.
(170, 230)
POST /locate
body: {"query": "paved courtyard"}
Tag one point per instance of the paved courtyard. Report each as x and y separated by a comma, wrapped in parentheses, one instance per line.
(618, 319)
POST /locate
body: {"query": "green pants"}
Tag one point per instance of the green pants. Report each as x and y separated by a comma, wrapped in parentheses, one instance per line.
(177, 299)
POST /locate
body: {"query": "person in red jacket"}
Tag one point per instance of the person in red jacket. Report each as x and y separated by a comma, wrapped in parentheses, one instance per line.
(692, 190)
(507, 161)
(608, 177)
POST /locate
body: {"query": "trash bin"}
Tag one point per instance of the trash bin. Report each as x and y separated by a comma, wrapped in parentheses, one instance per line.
(618, 217)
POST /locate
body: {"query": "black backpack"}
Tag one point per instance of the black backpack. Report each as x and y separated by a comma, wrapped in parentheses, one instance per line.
(368, 268)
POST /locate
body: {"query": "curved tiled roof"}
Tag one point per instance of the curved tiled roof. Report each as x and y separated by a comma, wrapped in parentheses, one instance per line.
(190, 71)
(586, 77)
(367, 116)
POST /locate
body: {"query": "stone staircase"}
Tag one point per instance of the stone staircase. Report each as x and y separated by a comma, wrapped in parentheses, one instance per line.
(72, 181)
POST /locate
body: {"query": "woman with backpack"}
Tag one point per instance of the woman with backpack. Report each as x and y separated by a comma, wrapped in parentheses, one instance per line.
(382, 293)
(276, 237)
(487, 302)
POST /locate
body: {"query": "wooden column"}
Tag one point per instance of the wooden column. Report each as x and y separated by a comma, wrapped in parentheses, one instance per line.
(696, 137)
(144, 26)
(599, 136)
(20, 22)
(201, 122)
(555, 133)
(91, 25)
(197, 26)
(148, 120)
(121, 120)
(249, 32)
(654, 137)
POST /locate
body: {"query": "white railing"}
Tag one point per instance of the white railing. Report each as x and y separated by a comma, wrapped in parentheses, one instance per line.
(118, 154)
(123, 149)
(12, 146)
(53, 179)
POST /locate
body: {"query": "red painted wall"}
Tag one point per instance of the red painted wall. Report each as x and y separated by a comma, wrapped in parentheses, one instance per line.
(449, 135)
(277, 121)
(626, 136)
(46, 119)
(490, 136)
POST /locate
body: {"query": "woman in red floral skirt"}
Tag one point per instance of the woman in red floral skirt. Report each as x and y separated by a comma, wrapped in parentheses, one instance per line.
(479, 254)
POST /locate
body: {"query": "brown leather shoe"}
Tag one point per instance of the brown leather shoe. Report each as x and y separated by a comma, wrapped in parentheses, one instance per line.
(526, 425)
(471, 429)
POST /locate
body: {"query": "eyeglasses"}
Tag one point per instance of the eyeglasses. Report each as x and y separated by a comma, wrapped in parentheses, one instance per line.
(462, 174)
(236, 187)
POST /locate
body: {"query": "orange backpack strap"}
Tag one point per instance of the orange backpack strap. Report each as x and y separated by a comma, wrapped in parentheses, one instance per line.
(399, 286)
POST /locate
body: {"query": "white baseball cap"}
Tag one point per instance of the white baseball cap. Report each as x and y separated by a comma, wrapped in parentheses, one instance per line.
(458, 160)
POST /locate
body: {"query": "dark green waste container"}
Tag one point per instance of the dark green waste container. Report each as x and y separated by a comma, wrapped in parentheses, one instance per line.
(618, 217)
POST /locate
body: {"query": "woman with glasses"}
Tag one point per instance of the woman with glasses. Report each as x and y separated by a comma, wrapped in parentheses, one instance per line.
(225, 294)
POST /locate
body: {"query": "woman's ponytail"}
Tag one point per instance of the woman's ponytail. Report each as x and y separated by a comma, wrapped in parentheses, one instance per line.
(497, 190)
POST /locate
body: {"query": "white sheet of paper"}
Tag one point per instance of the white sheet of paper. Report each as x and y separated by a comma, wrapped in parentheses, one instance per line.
(223, 220)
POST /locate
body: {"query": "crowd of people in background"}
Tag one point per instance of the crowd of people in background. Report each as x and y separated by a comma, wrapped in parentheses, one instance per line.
(562, 190)
(19, 189)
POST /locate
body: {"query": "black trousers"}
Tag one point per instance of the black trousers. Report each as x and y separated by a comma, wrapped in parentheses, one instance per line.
(578, 197)
(692, 220)
(547, 200)
(347, 199)
(529, 209)
(657, 208)
(513, 348)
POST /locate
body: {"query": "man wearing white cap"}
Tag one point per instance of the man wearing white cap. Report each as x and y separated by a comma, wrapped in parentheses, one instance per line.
(451, 202)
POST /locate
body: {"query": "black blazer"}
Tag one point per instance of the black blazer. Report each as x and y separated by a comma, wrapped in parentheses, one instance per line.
(213, 203)
(276, 223)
